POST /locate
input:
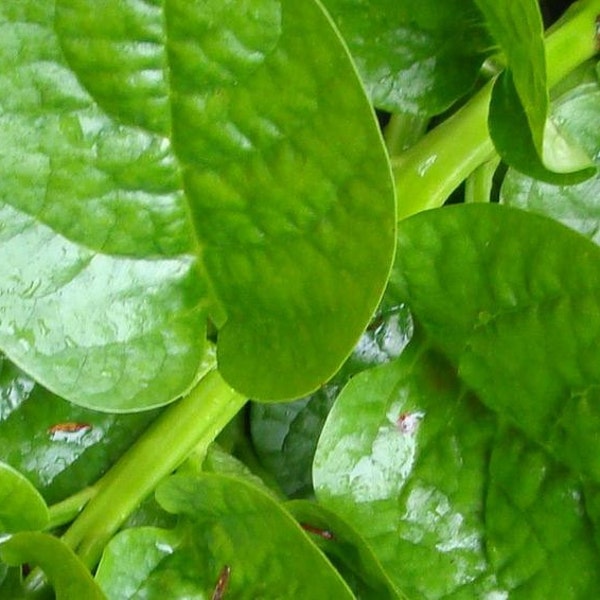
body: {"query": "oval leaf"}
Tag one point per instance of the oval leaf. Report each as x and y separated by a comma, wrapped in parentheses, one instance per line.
(452, 503)
(522, 323)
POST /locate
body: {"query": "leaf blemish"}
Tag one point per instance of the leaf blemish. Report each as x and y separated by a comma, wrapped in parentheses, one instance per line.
(68, 431)
(408, 422)
(222, 583)
(324, 533)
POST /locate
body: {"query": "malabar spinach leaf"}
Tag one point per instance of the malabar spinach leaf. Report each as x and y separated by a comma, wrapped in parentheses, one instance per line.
(222, 521)
(413, 57)
(69, 578)
(149, 180)
(454, 503)
(496, 289)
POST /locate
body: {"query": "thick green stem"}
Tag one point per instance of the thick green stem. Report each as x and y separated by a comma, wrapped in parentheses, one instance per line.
(191, 422)
(64, 512)
(428, 172)
(403, 131)
(479, 184)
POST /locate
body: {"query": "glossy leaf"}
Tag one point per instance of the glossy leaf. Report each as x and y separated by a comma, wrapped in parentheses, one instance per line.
(285, 435)
(148, 179)
(576, 206)
(518, 117)
(21, 506)
(453, 504)
(222, 519)
(59, 446)
(496, 289)
(69, 578)
(413, 57)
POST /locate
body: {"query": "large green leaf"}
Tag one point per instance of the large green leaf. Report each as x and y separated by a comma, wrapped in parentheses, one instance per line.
(415, 57)
(149, 178)
(453, 503)
(69, 578)
(59, 446)
(227, 526)
(518, 118)
(576, 206)
(499, 292)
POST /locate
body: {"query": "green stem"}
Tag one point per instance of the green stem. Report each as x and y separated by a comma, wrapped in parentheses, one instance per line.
(187, 424)
(403, 131)
(428, 172)
(64, 512)
(478, 186)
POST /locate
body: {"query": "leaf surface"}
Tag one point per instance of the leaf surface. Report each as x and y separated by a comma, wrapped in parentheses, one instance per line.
(413, 57)
(453, 503)
(149, 180)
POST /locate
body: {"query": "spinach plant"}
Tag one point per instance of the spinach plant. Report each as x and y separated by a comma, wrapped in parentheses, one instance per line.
(247, 349)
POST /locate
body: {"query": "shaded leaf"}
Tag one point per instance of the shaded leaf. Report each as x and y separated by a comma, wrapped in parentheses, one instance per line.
(59, 446)
(347, 550)
(413, 57)
(518, 116)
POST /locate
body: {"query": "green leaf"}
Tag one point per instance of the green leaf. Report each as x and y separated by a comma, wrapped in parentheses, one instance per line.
(509, 309)
(285, 435)
(576, 206)
(413, 57)
(346, 549)
(148, 179)
(67, 575)
(59, 446)
(131, 558)
(453, 503)
(518, 117)
(21, 506)
(222, 519)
